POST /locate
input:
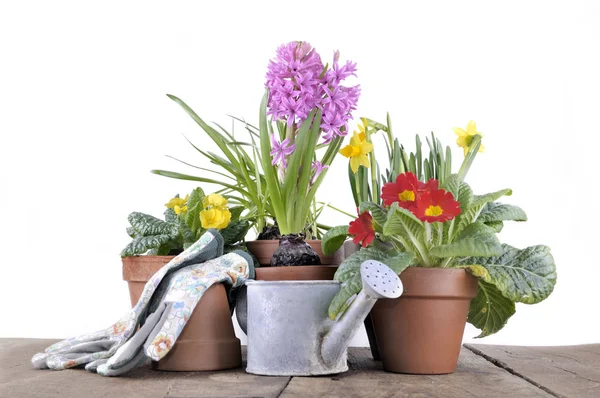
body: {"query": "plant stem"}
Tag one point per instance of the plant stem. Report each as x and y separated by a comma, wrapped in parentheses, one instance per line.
(339, 210)
(375, 193)
(469, 157)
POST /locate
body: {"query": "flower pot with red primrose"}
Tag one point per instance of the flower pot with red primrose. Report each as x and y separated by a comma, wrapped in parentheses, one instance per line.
(208, 340)
(441, 239)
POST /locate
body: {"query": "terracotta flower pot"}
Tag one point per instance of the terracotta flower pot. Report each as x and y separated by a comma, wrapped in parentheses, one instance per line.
(207, 342)
(264, 249)
(421, 332)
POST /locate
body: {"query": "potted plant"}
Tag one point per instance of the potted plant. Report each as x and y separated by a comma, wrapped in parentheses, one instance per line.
(155, 242)
(460, 271)
(279, 176)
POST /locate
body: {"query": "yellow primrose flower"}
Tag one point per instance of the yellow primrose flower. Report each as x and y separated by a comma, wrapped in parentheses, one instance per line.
(180, 209)
(177, 201)
(358, 149)
(465, 137)
(216, 217)
(214, 200)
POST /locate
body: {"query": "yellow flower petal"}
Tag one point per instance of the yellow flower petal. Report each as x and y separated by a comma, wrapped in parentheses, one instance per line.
(365, 148)
(460, 132)
(354, 163)
(346, 151)
(364, 160)
(215, 218)
(471, 130)
(214, 200)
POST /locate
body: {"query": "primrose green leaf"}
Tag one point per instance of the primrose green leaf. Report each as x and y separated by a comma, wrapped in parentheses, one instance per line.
(235, 231)
(142, 244)
(489, 310)
(494, 211)
(402, 223)
(146, 225)
(334, 239)
(475, 238)
(526, 276)
(340, 303)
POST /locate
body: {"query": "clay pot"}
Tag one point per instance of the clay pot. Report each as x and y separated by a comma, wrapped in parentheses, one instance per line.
(296, 273)
(264, 249)
(421, 332)
(207, 342)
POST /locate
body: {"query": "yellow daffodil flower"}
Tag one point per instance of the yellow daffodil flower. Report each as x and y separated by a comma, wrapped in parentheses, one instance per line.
(214, 200)
(216, 217)
(465, 137)
(358, 149)
(177, 201)
(180, 209)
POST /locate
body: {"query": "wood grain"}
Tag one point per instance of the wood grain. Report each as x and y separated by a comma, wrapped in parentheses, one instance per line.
(566, 371)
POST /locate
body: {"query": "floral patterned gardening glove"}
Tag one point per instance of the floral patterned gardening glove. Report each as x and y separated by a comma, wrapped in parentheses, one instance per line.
(162, 328)
(95, 348)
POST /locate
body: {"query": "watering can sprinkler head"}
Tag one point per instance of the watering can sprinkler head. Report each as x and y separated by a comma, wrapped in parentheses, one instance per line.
(378, 281)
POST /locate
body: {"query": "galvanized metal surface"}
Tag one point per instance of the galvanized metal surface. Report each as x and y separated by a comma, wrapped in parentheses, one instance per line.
(286, 324)
(289, 330)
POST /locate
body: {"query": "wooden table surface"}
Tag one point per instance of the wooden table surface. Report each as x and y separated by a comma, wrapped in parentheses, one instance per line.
(483, 371)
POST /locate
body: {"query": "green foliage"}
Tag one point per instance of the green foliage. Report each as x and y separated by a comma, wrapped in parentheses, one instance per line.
(506, 275)
(348, 274)
(489, 310)
(238, 172)
(177, 232)
(334, 239)
(525, 276)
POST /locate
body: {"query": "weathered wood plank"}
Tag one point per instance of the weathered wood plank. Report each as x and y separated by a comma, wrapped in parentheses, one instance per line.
(566, 371)
(18, 378)
(474, 377)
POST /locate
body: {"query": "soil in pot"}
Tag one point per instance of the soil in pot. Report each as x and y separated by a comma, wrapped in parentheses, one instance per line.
(207, 342)
(421, 332)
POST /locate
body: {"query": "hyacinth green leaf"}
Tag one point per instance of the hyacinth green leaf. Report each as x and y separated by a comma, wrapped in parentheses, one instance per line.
(272, 183)
(526, 276)
(379, 213)
(142, 244)
(494, 211)
(334, 239)
(146, 225)
(179, 176)
(489, 310)
(235, 232)
(475, 238)
(217, 137)
(340, 301)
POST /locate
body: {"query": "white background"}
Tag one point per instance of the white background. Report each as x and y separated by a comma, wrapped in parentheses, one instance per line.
(84, 117)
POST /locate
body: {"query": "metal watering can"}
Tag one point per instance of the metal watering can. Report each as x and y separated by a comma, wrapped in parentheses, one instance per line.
(289, 330)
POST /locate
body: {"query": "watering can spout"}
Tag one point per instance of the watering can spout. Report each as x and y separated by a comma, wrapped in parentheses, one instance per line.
(379, 281)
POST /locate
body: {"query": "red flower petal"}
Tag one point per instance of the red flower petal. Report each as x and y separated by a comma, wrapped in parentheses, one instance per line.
(436, 206)
(403, 191)
(362, 229)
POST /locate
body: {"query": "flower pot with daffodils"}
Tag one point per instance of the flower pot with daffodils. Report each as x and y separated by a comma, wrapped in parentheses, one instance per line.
(155, 242)
(429, 226)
